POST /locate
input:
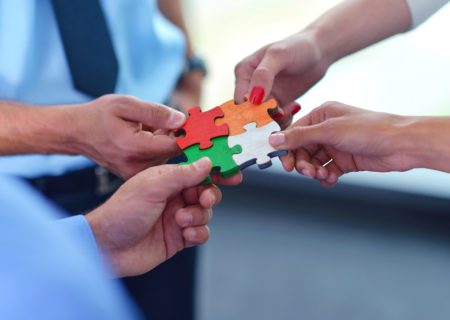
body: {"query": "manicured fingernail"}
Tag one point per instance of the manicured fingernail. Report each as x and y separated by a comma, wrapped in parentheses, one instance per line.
(203, 163)
(277, 116)
(277, 139)
(176, 119)
(257, 95)
(296, 109)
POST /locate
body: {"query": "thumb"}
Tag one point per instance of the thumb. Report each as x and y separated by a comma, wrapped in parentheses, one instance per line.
(298, 137)
(172, 179)
(153, 115)
(264, 75)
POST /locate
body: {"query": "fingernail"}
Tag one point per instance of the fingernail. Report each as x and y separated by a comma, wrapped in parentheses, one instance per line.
(306, 172)
(277, 116)
(187, 218)
(296, 109)
(176, 119)
(192, 233)
(277, 139)
(257, 95)
(203, 163)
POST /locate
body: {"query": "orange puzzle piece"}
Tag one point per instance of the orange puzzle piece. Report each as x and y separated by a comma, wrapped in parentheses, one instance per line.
(239, 115)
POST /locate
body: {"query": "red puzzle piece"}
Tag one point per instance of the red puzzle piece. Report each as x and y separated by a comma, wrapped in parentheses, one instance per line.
(200, 128)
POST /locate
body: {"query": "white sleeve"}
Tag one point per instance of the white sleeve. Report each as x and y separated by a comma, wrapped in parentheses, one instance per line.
(421, 10)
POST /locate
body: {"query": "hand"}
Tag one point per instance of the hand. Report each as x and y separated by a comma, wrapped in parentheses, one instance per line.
(284, 70)
(188, 92)
(154, 215)
(352, 139)
(109, 131)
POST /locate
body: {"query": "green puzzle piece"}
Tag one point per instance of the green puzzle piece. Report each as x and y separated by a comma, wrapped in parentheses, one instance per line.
(221, 156)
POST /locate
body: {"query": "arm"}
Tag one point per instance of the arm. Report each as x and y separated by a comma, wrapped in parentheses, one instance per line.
(188, 91)
(336, 139)
(288, 68)
(154, 215)
(107, 130)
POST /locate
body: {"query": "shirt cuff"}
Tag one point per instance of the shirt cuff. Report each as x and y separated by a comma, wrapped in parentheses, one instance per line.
(421, 10)
(78, 228)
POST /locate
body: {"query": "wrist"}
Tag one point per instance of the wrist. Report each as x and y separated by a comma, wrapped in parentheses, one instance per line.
(414, 141)
(320, 44)
(429, 142)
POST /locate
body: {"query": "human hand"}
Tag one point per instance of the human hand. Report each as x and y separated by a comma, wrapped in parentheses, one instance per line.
(154, 215)
(109, 131)
(284, 70)
(336, 139)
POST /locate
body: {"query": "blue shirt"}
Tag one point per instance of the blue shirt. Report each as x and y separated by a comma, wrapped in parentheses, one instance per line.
(51, 270)
(33, 66)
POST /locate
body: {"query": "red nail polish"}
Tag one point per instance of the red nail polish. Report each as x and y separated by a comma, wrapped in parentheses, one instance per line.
(257, 95)
(296, 109)
(277, 116)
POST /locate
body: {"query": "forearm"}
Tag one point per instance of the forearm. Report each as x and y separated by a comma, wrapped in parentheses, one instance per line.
(173, 11)
(356, 24)
(429, 142)
(26, 129)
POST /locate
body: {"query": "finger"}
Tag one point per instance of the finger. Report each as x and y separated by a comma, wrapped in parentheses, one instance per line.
(297, 137)
(330, 181)
(243, 73)
(155, 146)
(288, 161)
(193, 216)
(286, 114)
(305, 168)
(229, 181)
(151, 115)
(170, 180)
(195, 235)
(210, 196)
(266, 71)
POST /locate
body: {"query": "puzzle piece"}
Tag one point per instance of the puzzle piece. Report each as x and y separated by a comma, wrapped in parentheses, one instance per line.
(255, 145)
(200, 128)
(237, 116)
(221, 156)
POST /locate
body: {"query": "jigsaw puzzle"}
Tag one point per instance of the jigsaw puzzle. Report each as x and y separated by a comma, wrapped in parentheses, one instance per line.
(237, 116)
(232, 136)
(200, 128)
(255, 146)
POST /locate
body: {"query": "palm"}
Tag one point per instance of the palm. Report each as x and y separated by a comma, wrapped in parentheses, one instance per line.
(163, 240)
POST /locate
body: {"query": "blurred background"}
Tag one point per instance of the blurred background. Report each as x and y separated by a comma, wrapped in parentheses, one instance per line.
(377, 246)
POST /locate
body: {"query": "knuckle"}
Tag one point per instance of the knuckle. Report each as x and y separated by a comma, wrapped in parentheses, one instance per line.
(263, 74)
(239, 69)
(276, 51)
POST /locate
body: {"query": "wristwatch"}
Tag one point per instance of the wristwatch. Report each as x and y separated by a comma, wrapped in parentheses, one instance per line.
(195, 63)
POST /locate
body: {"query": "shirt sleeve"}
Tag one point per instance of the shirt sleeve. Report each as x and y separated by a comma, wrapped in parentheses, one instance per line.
(421, 10)
(78, 228)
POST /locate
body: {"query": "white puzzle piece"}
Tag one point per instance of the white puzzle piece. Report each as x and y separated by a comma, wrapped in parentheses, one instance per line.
(255, 145)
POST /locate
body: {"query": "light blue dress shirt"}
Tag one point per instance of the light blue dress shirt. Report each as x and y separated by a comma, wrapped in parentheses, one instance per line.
(33, 67)
(52, 270)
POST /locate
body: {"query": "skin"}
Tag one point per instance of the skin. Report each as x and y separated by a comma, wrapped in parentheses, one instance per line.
(361, 140)
(154, 215)
(336, 139)
(287, 69)
(108, 130)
